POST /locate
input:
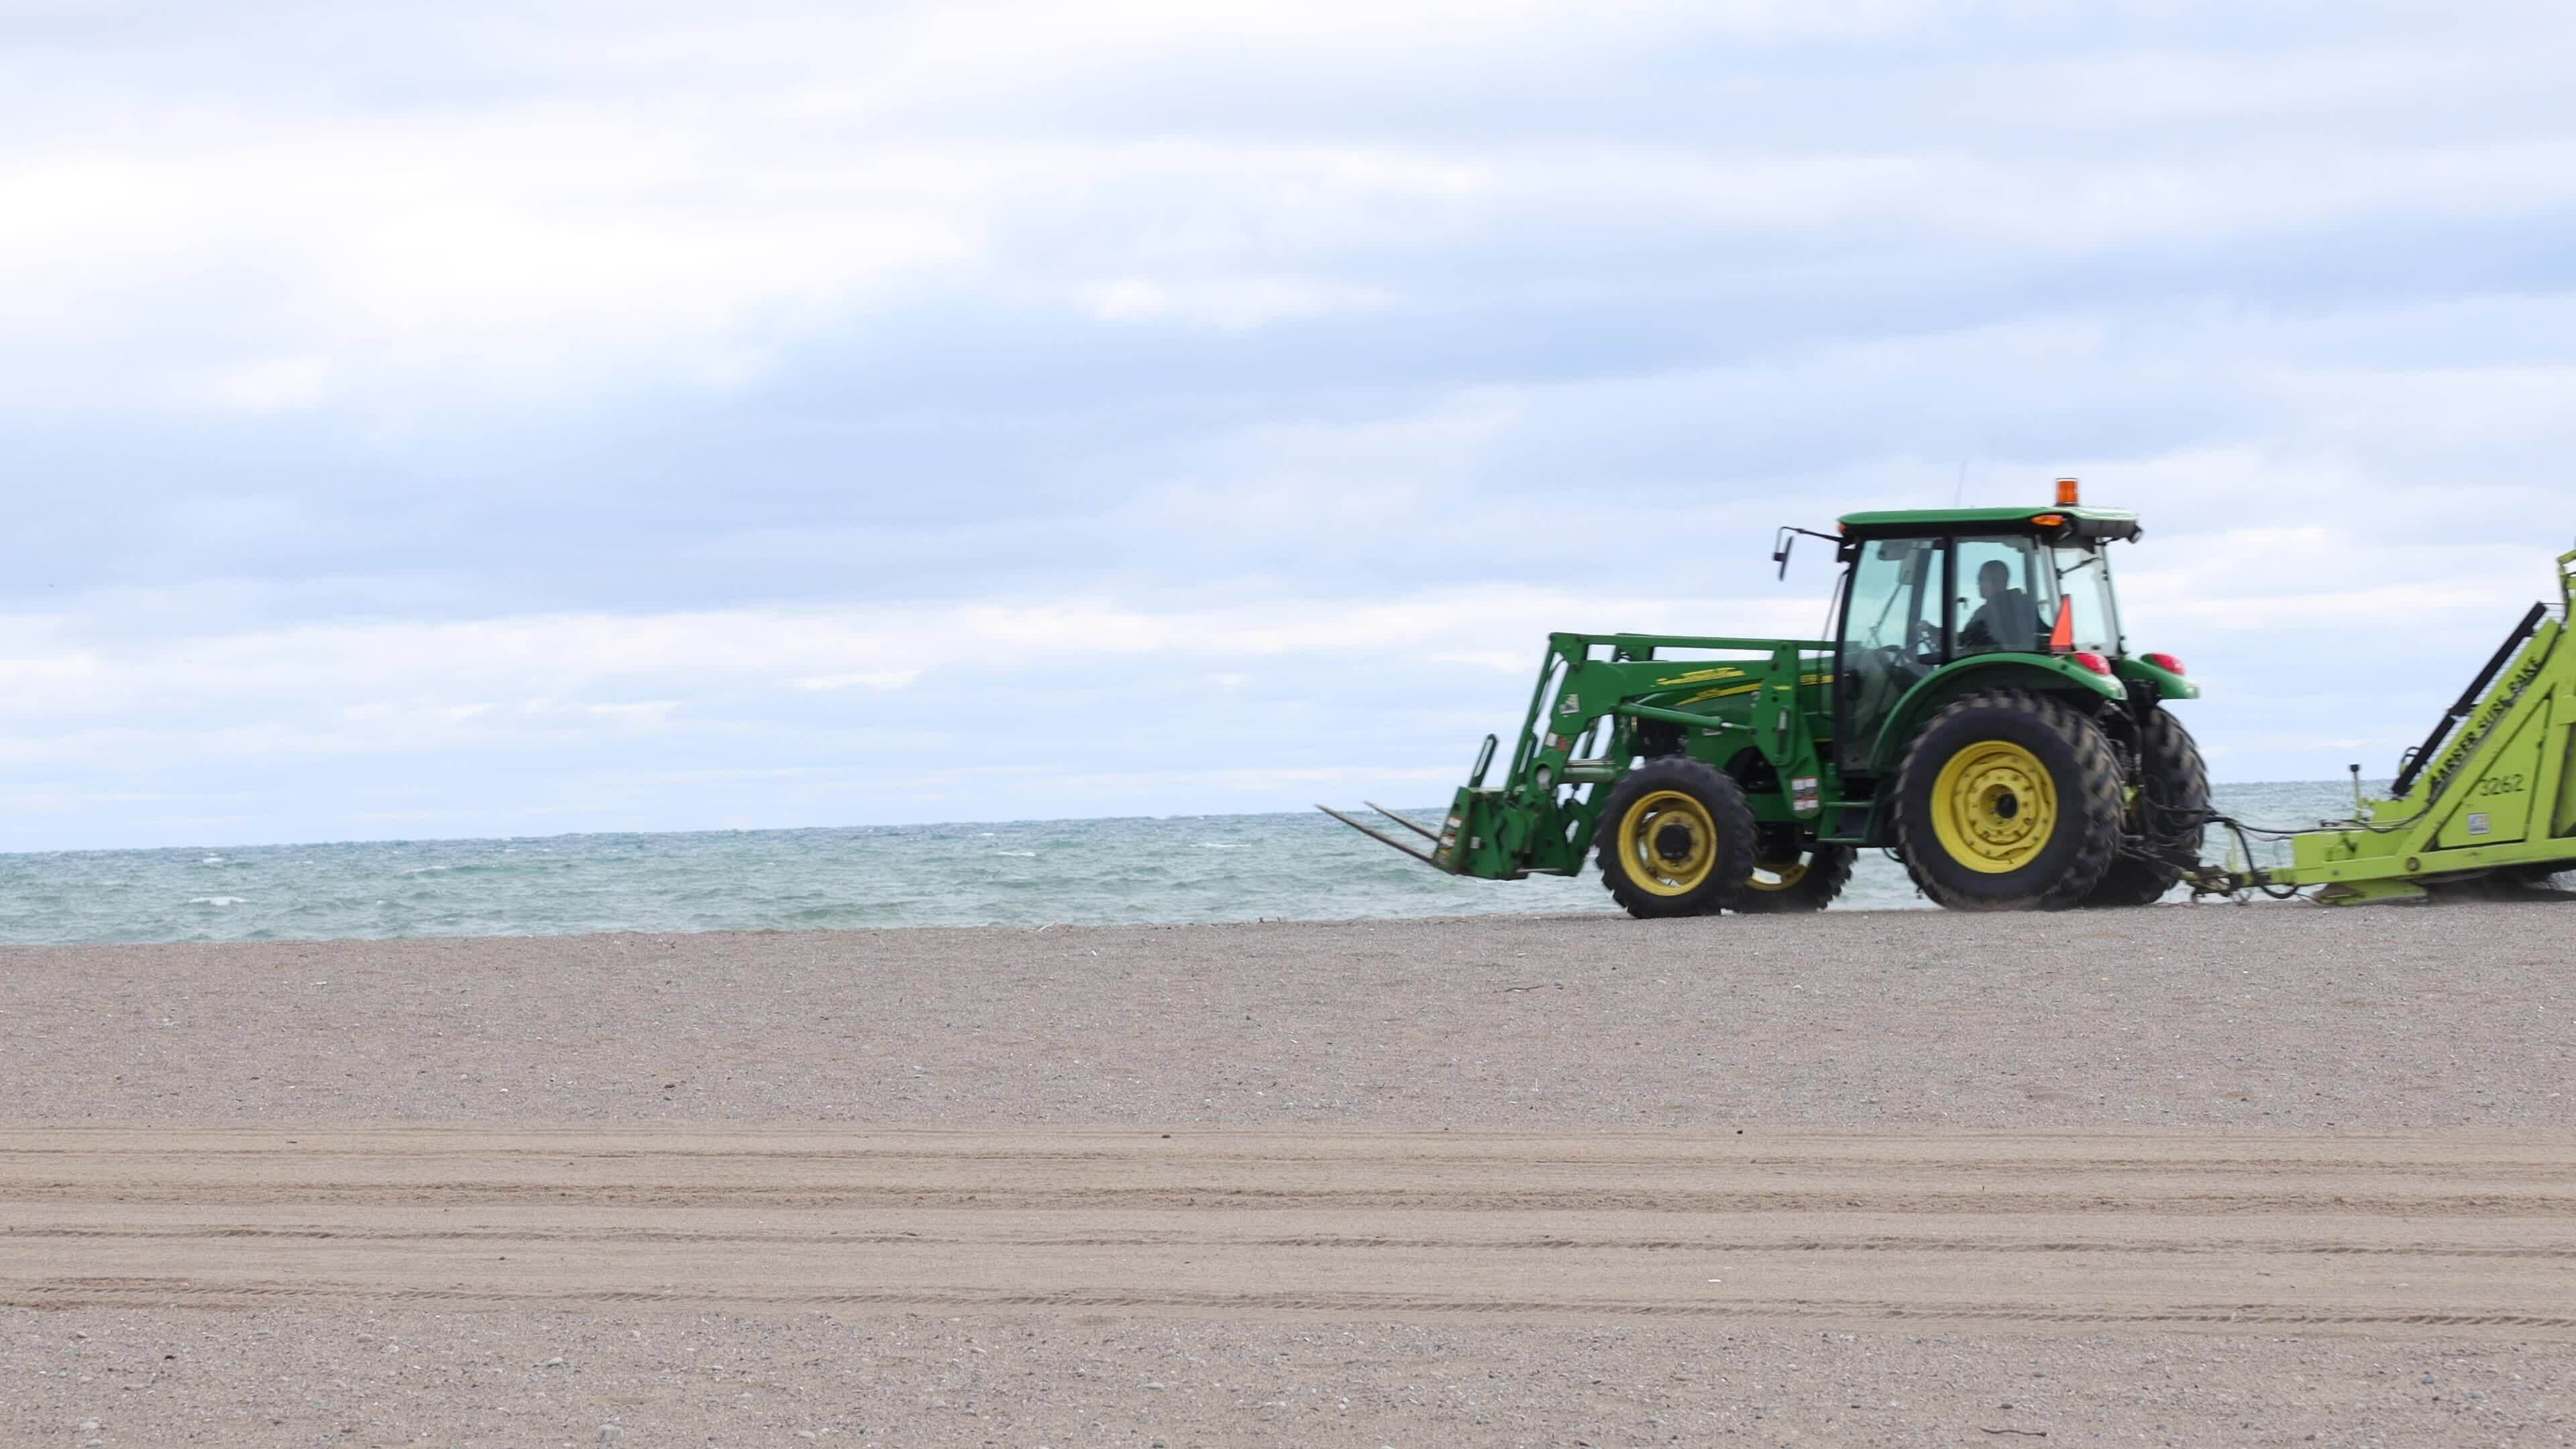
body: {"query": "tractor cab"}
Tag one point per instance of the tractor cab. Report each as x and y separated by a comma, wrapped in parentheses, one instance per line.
(1936, 603)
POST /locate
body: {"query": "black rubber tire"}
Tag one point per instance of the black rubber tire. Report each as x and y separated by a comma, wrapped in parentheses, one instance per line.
(2083, 773)
(1829, 869)
(1731, 841)
(2173, 786)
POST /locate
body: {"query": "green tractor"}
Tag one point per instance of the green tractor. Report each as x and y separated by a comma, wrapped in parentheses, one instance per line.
(1980, 715)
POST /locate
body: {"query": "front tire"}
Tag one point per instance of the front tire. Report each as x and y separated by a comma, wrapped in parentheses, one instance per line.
(1676, 839)
(2008, 800)
(2163, 821)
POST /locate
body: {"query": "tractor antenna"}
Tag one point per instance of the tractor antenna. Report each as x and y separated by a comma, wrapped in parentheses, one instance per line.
(1961, 496)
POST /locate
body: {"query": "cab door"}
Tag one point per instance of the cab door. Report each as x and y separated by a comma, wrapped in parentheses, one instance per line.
(1894, 632)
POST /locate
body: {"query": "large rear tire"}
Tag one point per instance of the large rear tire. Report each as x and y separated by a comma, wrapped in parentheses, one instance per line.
(2164, 819)
(1676, 839)
(2008, 800)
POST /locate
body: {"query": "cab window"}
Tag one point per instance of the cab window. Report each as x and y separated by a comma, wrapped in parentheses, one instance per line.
(2007, 596)
(1892, 636)
(1896, 598)
(2084, 581)
(2011, 590)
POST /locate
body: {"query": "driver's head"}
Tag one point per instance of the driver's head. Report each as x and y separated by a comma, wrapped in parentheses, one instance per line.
(1994, 578)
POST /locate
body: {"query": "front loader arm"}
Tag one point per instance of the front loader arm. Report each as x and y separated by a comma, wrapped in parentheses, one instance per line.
(1593, 694)
(1594, 689)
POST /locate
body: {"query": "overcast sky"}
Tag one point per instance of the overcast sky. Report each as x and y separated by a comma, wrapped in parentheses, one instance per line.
(485, 419)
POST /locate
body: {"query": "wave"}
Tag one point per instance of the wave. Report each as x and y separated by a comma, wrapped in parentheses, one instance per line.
(1274, 866)
(478, 867)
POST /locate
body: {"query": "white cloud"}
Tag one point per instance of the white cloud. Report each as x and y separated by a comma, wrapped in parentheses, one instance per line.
(1202, 396)
(1232, 304)
(681, 199)
(865, 679)
(389, 683)
(1502, 660)
(269, 385)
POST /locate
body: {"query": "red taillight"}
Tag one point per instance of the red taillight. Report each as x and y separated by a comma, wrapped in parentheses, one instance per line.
(2091, 660)
(2165, 662)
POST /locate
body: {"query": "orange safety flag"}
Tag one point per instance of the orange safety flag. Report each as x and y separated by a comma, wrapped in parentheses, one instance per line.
(2061, 640)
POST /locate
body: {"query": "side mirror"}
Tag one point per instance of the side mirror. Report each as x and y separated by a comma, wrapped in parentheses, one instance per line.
(1787, 539)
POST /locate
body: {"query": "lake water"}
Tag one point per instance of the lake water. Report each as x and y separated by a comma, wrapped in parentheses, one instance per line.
(1179, 868)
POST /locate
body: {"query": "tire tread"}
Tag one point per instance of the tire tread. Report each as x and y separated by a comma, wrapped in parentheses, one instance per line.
(1829, 869)
(2096, 786)
(1728, 809)
(2166, 753)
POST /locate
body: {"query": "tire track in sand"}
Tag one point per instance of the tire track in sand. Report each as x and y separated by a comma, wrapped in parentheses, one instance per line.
(2071, 1233)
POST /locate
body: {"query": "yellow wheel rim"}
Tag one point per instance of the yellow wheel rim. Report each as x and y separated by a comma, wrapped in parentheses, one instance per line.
(1994, 807)
(1668, 843)
(1768, 876)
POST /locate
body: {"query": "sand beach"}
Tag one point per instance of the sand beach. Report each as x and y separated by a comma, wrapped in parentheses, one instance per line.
(2185, 1175)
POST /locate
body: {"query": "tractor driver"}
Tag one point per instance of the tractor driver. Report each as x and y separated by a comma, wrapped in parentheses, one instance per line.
(2007, 619)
